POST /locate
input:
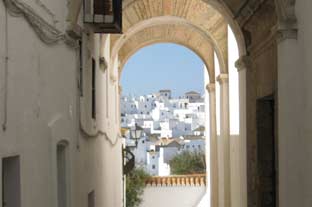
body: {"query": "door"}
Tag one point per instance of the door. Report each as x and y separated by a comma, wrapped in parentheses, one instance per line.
(266, 152)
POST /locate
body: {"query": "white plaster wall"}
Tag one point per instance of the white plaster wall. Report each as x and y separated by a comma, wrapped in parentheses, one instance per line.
(43, 100)
(174, 196)
(295, 112)
(37, 74)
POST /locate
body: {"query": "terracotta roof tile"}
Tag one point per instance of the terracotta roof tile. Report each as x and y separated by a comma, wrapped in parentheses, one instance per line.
(177, 180)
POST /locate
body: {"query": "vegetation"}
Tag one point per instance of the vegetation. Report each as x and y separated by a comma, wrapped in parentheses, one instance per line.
(188, 163)
(135, 184)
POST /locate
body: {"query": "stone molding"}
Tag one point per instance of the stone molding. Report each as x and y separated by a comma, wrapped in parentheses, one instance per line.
(211, 87)
(223, 78)
(243, 63)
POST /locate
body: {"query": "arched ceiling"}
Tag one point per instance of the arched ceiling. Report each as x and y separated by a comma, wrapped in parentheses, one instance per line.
(139, 27)
(179, 34)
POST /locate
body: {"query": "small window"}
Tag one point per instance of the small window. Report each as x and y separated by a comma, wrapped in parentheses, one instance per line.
(153, 157)
(145, 106)
(153, 166)
(91, 199)
(143, 141)
(62, 174)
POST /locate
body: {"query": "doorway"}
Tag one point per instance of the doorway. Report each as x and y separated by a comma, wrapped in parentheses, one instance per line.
(266, 151)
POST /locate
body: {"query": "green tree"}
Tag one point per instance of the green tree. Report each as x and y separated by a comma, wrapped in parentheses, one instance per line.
(135, 184)
(188, 163)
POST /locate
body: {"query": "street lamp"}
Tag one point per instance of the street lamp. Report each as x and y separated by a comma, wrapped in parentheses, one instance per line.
(136, 134)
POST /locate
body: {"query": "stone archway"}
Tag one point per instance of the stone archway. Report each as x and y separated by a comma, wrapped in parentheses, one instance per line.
(200, 26)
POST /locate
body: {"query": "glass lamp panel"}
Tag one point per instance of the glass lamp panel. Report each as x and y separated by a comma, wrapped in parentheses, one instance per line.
(138, 133)
(133, 134)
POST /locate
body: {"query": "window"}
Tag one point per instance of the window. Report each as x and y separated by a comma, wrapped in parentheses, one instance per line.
(62, 186)
(145, 106)
(143, 141)
(11, 186)
(153, 157)
(93, 106)
(91, 199)
(153, 166)
(165, 94)
(80, 69)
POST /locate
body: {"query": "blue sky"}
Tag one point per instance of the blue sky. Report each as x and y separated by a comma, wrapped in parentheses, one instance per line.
(163, 66)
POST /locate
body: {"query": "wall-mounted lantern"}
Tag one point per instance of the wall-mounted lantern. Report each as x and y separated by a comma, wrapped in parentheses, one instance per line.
(136, 134)
(104, 16)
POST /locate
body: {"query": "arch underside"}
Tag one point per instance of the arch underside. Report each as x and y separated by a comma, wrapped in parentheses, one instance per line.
(204, 27)
(178, 34)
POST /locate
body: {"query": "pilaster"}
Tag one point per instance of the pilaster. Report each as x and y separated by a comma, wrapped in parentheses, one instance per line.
(243, 64)
(214, 180)
(224, 158)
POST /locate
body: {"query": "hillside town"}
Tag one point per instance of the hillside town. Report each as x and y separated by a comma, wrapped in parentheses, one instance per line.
(169, 127)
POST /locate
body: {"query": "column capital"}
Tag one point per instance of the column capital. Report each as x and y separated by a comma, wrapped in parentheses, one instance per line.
(243, 63)
(223, 78)
(286, 29)
(211, 87)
